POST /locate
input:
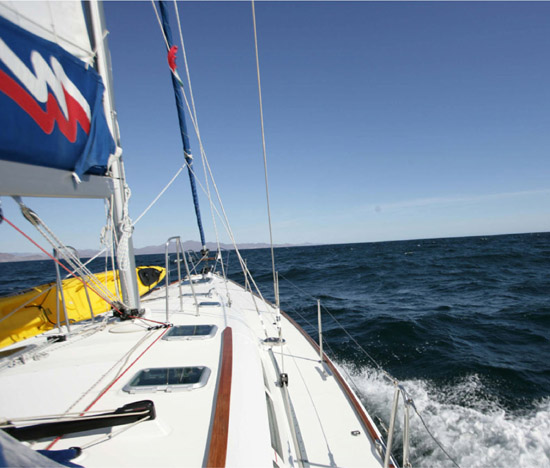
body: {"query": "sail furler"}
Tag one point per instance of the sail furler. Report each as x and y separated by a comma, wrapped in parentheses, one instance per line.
(176, 83)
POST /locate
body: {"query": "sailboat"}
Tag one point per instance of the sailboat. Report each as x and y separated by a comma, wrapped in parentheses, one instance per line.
(201, 372)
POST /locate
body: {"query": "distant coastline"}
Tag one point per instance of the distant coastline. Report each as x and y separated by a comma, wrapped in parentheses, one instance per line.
(149, 250)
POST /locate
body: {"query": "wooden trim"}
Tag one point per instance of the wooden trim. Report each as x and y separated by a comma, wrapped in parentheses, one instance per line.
(218, 435)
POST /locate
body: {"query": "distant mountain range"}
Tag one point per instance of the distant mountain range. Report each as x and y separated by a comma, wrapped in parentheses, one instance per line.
(151, 249)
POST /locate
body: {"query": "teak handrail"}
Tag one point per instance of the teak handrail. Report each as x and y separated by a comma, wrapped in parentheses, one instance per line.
(218, 436)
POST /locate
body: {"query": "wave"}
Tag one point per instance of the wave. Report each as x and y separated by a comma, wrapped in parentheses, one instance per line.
(468, 421)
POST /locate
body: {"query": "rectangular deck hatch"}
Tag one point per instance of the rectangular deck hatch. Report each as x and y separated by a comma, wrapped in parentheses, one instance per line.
(168, 379)
(190, 332)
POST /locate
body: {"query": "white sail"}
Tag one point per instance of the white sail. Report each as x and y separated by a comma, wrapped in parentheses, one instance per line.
(60, 22)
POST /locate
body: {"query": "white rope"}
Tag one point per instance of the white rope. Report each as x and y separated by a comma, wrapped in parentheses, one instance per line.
(106, 238)
(126, 229)
(113, 242)
(185, 61)
(160, 25)
(44, 349)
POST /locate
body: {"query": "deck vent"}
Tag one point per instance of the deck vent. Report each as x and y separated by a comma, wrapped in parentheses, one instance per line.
(191, 332)
(168, 379)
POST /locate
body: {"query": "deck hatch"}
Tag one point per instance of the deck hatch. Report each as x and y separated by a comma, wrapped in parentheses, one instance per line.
(168, 379)
(190, 332)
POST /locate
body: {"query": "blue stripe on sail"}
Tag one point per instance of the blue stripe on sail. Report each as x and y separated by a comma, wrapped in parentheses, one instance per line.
(52, 106)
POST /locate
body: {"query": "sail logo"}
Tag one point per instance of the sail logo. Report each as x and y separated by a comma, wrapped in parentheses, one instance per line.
(51, 103)
(65, 104)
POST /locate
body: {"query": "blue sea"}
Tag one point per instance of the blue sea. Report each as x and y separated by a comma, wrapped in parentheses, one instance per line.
(462, 323)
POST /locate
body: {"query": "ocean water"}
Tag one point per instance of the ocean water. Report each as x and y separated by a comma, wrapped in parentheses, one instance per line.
(462, 323)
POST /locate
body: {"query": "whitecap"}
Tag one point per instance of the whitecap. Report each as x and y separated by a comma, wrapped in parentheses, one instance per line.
(476, 432)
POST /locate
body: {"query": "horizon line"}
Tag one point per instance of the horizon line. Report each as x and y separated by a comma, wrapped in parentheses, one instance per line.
(288, 245)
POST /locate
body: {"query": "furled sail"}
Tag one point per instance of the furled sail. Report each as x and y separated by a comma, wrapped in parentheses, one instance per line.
(52, 102)
(181, 117)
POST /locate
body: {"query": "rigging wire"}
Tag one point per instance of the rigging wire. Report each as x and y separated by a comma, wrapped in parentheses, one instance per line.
(71, 273)
(161, 193)
(225, 219)
(202, 153)
(66, 253)
(58, 262)
(264, 155)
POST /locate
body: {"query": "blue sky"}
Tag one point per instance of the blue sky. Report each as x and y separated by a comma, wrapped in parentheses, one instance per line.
(384, 120)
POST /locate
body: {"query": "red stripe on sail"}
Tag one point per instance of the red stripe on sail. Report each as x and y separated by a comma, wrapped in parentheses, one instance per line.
(46, 120)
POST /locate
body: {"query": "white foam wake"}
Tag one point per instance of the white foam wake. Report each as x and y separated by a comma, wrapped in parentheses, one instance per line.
(476, 432)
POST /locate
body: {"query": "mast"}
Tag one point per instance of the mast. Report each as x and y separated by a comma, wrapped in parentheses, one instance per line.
(183, 127)
(127, 267)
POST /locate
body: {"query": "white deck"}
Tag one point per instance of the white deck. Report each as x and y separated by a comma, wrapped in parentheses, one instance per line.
(74, 374)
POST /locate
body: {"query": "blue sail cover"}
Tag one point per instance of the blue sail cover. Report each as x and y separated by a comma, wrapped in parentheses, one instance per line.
(51, 106)
(183, 127)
